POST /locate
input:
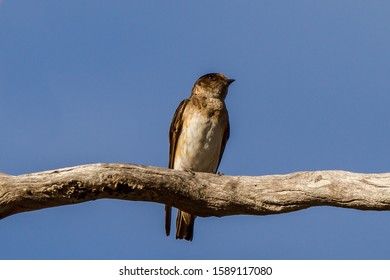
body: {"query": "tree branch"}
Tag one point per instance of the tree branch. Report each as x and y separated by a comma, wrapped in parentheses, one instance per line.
(203, 194)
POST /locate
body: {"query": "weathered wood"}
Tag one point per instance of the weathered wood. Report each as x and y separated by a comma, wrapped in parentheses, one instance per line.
(203, 194)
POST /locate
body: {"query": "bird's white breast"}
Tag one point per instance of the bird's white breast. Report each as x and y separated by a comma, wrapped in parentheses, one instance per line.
(199, 143)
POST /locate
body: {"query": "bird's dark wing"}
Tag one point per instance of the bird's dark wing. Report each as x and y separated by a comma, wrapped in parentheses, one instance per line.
(225, 138)
(174, 132)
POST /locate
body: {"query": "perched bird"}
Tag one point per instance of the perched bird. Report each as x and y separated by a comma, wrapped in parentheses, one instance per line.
(197, 137)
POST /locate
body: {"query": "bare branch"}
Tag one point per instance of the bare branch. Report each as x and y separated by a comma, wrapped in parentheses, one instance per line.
(200, 193)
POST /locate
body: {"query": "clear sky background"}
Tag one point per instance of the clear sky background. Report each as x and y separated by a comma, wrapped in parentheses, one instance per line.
(98, 81)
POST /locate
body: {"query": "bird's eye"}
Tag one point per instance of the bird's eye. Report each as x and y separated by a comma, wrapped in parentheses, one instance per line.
(210, 76)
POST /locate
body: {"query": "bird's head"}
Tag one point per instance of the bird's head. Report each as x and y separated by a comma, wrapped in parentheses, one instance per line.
(212, 85)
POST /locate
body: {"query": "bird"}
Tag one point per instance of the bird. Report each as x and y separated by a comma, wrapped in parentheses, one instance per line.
(198, 135)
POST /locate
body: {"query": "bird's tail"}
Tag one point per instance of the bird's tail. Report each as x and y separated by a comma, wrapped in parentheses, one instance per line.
(168, 214)
(185, 225)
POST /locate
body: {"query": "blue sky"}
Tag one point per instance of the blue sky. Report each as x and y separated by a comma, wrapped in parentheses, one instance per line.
(98, 81)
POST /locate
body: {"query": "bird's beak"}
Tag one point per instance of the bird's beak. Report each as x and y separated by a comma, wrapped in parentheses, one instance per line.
(230, 81)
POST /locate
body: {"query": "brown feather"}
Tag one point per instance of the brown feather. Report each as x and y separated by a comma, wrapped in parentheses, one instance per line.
(185, 225)
(174, 131)
(225, 138)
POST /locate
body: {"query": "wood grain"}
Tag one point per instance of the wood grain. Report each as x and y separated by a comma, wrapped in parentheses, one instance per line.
(203, 194)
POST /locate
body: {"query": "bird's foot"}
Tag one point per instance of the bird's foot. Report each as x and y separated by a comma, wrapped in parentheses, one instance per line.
(190, 171)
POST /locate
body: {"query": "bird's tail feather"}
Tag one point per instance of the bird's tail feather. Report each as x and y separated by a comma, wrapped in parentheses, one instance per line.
(168, 215)
(185, 225)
